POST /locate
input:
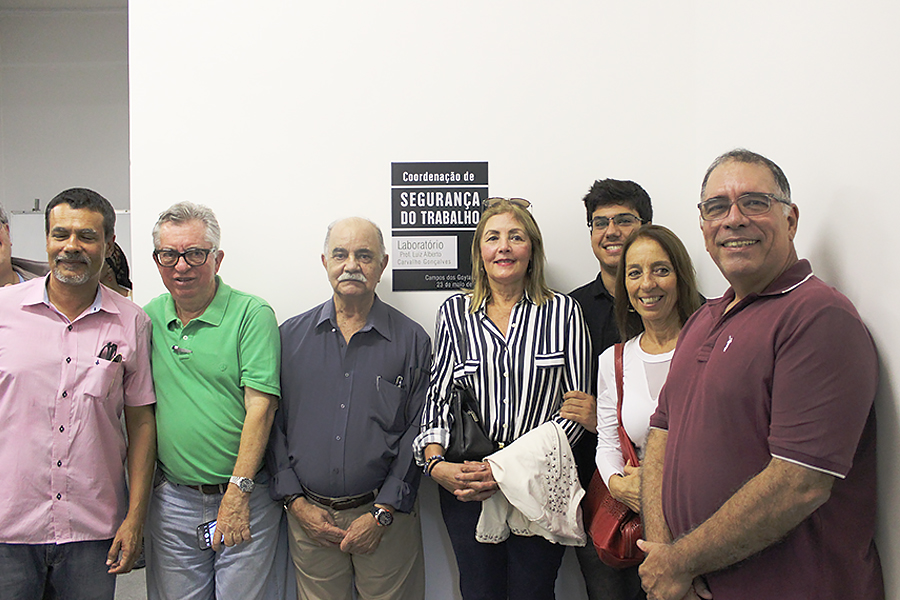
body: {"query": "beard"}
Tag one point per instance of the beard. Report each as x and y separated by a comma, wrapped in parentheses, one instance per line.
(66, 278)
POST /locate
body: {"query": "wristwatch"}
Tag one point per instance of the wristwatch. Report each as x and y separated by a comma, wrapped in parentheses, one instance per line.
(383, 516)
(245, 484)
(288, 500)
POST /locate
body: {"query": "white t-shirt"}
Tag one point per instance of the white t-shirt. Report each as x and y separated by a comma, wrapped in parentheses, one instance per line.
(643, 377)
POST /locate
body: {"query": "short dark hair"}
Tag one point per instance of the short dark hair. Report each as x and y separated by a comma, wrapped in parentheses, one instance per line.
(742, 155)
(84, 198)
(689, 300)
(607, 192)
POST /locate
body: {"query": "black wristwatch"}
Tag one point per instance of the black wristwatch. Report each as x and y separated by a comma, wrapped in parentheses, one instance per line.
(383, 516)
(288, 500)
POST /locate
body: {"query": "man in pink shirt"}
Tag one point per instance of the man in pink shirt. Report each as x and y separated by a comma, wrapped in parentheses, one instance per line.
(73, 356)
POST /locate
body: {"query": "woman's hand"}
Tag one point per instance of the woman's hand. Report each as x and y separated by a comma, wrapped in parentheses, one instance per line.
(468, 481)
(627, 488)
(581, 408)
(478, 480)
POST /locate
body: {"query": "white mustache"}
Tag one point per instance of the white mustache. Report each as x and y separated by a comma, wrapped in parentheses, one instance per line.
(353, 277)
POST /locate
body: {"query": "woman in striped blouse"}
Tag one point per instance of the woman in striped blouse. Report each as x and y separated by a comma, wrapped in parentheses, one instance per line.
(522, 350)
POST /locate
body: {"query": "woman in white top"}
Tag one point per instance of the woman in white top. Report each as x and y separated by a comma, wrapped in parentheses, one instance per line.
(656, 292)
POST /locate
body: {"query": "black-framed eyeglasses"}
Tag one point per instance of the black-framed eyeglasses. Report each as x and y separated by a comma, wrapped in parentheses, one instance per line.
(194, 257)
(625, 220)
(520, 202)
(752, 204)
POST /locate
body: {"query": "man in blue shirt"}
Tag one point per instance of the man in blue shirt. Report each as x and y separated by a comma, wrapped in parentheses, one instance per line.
(354, 376)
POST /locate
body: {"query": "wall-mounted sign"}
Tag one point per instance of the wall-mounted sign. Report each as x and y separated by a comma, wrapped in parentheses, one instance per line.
(435, 208)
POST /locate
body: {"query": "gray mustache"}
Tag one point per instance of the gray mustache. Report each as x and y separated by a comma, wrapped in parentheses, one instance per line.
(353, 277)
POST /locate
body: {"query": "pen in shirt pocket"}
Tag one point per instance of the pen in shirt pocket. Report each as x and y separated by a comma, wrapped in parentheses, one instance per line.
(108, 351)
(398, 382)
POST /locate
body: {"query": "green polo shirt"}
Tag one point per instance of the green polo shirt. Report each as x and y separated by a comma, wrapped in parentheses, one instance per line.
(199, 372)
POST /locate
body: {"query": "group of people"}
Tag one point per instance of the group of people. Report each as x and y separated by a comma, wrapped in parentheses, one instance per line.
(752, 413)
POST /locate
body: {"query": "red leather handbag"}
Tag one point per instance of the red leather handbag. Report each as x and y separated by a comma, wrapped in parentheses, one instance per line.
(614, 528)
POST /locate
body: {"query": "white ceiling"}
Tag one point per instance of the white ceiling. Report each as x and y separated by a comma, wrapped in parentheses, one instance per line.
(62, 4)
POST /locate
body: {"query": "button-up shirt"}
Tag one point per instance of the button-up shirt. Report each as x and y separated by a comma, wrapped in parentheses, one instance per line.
(61, 438)
(519, 378)
(350, 411)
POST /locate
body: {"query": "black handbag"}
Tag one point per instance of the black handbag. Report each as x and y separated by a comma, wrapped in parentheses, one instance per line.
(468, 441)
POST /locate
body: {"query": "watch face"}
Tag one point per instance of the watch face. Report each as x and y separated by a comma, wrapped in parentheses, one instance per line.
(245, 484)
(384, 517)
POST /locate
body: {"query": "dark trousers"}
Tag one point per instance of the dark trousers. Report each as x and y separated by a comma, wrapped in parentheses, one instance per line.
(73, 571)
(521, 568)
(604, 582)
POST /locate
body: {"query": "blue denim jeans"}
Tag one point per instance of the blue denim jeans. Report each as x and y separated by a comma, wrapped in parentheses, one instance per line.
(178, 570)
(73, 571)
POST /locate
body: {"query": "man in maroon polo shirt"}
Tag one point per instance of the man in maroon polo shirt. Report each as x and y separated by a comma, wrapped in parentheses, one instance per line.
(759, 475)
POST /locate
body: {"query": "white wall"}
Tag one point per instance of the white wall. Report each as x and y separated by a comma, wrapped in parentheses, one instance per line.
(63, 105)
(283, 116)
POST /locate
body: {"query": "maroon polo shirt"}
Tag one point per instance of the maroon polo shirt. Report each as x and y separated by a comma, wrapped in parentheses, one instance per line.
(791, 373)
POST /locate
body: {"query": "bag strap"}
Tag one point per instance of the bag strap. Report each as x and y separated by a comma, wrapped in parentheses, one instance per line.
(625, 442)
(619, 351)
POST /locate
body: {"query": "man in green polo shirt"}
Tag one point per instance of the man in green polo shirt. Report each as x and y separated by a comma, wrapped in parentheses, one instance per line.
(216, 362)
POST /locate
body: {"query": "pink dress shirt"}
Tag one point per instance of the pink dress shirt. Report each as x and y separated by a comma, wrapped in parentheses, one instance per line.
(62, 445)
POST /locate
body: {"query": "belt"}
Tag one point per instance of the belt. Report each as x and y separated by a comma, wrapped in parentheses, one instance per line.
(210, 489)
(343, 503)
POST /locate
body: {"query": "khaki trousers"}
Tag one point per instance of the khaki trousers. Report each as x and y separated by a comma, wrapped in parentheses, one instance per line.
(394, 571)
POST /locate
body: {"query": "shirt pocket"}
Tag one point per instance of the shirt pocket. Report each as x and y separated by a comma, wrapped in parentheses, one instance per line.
(389, 408)
(550, 360)
(469, 368)
(549, 370)
(101, 378)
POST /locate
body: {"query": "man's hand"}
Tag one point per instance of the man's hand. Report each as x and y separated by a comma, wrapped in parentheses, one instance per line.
(317, 523)
(627, 489)
(662, 574)
(125, 548)
(581, 408)
(233, 520)
(363, 535)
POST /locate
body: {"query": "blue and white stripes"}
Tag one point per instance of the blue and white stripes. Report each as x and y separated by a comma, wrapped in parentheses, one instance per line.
(519, 380)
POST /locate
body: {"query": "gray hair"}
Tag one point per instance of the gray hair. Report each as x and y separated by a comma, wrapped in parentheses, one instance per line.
(188, 211)
(4, 218)
(381, 247)
(742, 155)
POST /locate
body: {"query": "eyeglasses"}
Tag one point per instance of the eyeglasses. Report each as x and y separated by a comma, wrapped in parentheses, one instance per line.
(621, 220)
(194, 257)
(520, 202)
(752, 204)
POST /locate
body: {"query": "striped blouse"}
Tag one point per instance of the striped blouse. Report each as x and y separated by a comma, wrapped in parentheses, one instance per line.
(519, 379)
